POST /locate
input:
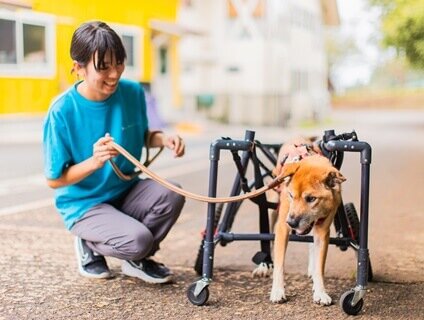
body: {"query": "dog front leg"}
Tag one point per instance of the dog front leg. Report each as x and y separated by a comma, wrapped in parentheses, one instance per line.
(280, 246)
(321, 241)
(311, 260)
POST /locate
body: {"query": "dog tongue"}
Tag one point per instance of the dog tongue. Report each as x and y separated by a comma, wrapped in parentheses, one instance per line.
(306, 231)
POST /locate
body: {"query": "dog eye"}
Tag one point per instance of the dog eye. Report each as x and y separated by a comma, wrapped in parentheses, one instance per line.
(310, 199)
(290, 195)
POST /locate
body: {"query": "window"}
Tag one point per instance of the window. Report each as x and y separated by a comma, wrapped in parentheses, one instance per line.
(128, 42)
(34, 43)
(299, 81)
(27, 44)
(131, 39)
(163, 60)
(7, 41)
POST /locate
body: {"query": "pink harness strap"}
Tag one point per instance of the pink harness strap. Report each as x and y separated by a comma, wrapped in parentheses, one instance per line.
(298, 152)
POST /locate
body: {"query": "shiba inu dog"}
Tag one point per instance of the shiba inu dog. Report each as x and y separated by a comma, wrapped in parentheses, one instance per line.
(309, 197)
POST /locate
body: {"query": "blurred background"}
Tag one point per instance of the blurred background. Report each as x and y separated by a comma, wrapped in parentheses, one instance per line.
(212, 68)
(255, 62)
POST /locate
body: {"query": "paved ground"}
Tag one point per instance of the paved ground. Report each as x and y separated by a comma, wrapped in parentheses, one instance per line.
(39, 279)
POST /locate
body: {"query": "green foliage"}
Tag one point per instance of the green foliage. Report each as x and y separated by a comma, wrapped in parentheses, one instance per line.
(403, 27)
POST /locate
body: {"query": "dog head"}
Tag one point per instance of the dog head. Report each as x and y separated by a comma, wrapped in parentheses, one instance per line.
(313, 190)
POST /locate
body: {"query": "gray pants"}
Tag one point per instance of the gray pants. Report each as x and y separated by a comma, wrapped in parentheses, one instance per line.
(132, 227)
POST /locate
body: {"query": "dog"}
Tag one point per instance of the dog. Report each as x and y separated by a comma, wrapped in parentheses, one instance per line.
(295, 149)
(309, 197)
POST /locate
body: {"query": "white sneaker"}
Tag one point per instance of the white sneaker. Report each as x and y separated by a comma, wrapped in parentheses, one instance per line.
(147, 270)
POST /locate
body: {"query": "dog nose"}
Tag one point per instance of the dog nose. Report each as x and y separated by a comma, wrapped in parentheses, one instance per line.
(293, 222)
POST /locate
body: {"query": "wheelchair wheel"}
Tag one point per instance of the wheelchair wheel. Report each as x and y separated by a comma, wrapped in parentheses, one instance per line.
(353, 220)
(346, 303)
(201, 299)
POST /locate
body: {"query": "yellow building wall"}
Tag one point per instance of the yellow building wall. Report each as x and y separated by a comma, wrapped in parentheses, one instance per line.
(33, 95)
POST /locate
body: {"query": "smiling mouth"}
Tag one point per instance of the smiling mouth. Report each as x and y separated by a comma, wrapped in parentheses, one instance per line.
(111, 85)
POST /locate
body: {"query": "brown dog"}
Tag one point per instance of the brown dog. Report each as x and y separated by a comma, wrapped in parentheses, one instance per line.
(309, 198)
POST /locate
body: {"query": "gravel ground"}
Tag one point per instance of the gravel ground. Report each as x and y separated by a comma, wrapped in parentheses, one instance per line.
(39, 281)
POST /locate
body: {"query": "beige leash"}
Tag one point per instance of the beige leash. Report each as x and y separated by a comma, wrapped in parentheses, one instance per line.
(275, 182)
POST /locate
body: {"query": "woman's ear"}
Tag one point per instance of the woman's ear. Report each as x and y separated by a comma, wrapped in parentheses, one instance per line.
(78, 69)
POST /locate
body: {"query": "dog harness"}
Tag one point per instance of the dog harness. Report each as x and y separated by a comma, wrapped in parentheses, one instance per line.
(299, 152)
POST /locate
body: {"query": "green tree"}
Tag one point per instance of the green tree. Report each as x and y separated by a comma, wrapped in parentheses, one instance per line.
(403, 28)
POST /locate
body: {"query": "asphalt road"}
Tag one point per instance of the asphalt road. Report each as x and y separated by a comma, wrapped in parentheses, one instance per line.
(37, 269)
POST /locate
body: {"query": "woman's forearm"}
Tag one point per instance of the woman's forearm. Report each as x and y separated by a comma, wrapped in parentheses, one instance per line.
(156, 139)
(102, 152)
(74, 174)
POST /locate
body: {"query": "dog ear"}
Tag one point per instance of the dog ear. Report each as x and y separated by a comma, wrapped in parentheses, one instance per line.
(334, 179)
(288, 171)
(277, 170)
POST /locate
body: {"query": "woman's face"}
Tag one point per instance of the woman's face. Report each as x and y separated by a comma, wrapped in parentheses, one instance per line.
(99, 84)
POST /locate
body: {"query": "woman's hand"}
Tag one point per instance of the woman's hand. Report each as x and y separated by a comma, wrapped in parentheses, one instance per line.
(102, 152)
(158, 139)
(175, 143)
(77, 172)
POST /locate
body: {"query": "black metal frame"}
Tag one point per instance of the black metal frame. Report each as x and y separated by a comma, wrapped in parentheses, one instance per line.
(333, 146)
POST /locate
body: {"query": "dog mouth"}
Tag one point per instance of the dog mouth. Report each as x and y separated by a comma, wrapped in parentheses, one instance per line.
(308, 229)
(305, 231)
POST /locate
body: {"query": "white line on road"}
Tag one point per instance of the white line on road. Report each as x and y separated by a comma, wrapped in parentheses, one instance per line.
(15, 185)
(34, 205)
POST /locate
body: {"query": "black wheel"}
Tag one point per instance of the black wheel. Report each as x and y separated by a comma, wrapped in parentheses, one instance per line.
(353, 221)
(201, 299)
(346, 303)
(341, 226)
(198, 264)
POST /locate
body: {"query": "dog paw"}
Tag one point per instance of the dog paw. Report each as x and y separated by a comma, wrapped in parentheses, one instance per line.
(278, 295)
(322, 298)
(263, 270)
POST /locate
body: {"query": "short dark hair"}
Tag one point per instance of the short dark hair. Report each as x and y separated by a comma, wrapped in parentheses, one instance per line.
(96, 36)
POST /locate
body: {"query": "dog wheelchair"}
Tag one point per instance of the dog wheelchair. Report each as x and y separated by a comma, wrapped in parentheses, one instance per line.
(351, 231)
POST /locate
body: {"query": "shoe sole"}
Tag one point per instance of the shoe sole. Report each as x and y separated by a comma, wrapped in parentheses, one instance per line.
(104, 275)
(129, 271)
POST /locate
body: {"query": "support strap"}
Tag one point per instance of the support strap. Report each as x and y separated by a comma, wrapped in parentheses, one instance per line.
(278, 180)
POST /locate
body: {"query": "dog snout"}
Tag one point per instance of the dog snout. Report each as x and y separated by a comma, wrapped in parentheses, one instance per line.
(293, 221)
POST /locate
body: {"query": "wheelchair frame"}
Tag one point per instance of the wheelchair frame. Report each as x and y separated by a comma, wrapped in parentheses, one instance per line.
(350, 231)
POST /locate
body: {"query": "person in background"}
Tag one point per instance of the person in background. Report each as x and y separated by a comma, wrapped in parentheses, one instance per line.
(109, 217)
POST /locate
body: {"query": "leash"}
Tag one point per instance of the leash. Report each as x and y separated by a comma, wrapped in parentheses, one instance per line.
(275, 182)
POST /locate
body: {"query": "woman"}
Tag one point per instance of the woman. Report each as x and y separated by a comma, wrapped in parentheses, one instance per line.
(109, 217)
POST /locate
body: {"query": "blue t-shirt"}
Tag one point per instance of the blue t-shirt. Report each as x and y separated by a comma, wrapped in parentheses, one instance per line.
(73, 124)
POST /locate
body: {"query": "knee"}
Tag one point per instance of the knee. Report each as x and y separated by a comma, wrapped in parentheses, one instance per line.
(139, 244)
(178, 203)
(170, 202)
(176, 200)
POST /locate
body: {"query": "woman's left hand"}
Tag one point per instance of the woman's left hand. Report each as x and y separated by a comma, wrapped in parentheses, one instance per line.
(175, 143)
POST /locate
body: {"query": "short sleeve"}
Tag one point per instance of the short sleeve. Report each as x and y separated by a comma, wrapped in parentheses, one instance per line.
(57, 155)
